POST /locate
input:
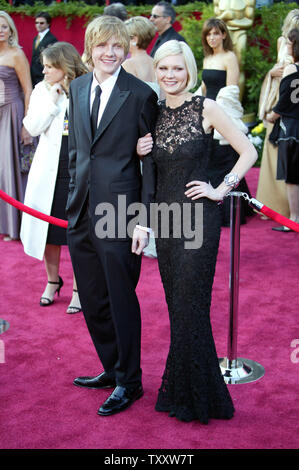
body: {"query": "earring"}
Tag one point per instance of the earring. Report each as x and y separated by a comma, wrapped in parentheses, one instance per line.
(134, 43)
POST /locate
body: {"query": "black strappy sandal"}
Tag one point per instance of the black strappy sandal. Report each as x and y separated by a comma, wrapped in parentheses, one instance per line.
(74, 308)
(49, 301)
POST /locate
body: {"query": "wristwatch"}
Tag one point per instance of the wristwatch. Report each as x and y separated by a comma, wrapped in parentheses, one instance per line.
(232, 180)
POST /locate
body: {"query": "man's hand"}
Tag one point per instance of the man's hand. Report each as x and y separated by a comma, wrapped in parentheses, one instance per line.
(139, 240)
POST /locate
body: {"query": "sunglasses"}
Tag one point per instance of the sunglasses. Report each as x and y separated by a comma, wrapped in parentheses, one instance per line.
(157, 16)
(40, 22)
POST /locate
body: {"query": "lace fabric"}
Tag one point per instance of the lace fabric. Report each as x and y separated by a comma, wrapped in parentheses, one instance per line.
(192, 384)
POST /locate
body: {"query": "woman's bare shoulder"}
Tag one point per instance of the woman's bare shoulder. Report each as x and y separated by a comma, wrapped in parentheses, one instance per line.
(230, 57)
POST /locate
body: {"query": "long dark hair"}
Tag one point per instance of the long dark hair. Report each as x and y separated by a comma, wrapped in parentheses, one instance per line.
(221, 26)
(293, 36)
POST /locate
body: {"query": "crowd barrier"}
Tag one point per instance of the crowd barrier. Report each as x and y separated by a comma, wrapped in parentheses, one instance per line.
(234, 370)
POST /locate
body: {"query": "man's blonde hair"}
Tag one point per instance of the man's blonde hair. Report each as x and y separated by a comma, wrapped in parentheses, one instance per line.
(100, 30)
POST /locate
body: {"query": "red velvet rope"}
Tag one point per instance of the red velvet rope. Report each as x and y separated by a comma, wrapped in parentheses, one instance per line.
(63, 223)
(280, 218)
(35, 213)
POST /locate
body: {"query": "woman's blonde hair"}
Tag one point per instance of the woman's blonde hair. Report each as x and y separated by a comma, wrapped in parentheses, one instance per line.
(291, 22)
(175, 47)
(64, 56)
(143, 28)
(13, 39)
(100, 30)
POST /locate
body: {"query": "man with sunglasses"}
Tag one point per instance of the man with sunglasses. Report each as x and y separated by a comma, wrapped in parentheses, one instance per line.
(43, 39)
(163, 16)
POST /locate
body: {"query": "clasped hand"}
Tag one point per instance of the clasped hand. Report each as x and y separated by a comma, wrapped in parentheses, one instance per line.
(139, 240)
(56, 91)
(26, 138)
(197, 189)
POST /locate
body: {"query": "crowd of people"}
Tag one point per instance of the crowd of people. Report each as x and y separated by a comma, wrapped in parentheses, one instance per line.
(119, 122)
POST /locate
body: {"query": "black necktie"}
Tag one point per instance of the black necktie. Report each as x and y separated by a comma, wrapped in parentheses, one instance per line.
(95, 110)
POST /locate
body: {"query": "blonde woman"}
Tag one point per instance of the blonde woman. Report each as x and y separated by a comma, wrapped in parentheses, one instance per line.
(48, 179)
(15, 91)
(192, 386)
(141, 32)
(271, 191)
(140, 64)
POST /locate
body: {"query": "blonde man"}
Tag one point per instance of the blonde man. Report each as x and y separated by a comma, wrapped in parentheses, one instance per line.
(103, 166)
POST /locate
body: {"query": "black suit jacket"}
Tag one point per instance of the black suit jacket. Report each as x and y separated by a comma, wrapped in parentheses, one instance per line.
(107, 166)
(168, 35)
(36, 67)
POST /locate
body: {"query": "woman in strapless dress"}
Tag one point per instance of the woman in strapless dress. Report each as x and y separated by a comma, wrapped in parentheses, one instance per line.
(220, 70)
(15, 91)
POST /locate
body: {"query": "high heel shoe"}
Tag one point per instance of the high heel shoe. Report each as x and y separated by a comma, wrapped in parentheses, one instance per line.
(48, 300)
(75, 305)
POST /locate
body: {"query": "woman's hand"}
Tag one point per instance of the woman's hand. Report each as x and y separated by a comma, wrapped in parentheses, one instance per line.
(56, 91)
(26, 138)
(199, 189)
(271, 117)
(144, 145)
(277, 70)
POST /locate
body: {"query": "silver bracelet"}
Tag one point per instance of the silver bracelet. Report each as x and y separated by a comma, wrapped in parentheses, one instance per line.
(232, 180)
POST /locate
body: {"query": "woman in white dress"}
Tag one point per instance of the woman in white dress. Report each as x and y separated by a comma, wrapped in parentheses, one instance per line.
(48, 179)
(270, 191)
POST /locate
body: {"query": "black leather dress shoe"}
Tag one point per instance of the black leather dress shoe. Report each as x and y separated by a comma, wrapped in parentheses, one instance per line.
(100, 381)
(120, 399)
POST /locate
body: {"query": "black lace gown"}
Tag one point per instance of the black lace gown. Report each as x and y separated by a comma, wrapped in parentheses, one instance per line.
(192, 384)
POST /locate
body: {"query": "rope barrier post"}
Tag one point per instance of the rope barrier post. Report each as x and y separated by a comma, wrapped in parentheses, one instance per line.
(4, 325)
(236, 370)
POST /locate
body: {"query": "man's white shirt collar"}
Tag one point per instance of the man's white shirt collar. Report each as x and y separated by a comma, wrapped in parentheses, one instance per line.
(43, 34)
(106, 87)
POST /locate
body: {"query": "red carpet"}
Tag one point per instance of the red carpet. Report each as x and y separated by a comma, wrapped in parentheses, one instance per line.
(45, 349)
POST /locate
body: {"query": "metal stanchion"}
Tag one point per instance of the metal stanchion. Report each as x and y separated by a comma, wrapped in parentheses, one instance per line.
(4, 325)
(236, 370)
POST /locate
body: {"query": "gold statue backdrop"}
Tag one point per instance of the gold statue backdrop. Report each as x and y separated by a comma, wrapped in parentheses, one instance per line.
(238, 16)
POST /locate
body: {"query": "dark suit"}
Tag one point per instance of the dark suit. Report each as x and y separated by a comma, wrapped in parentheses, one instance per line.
(168, 35)
(101, 169)
(36, 67)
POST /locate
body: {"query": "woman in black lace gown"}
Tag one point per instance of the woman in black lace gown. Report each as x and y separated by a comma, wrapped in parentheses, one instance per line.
(192, 385)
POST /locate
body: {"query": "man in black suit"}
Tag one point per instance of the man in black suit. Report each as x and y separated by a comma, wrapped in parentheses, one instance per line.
(109, 110)
(163, 16)
(40, 42)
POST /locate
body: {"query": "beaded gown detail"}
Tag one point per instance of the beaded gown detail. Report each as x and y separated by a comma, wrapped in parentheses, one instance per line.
(192, 384)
